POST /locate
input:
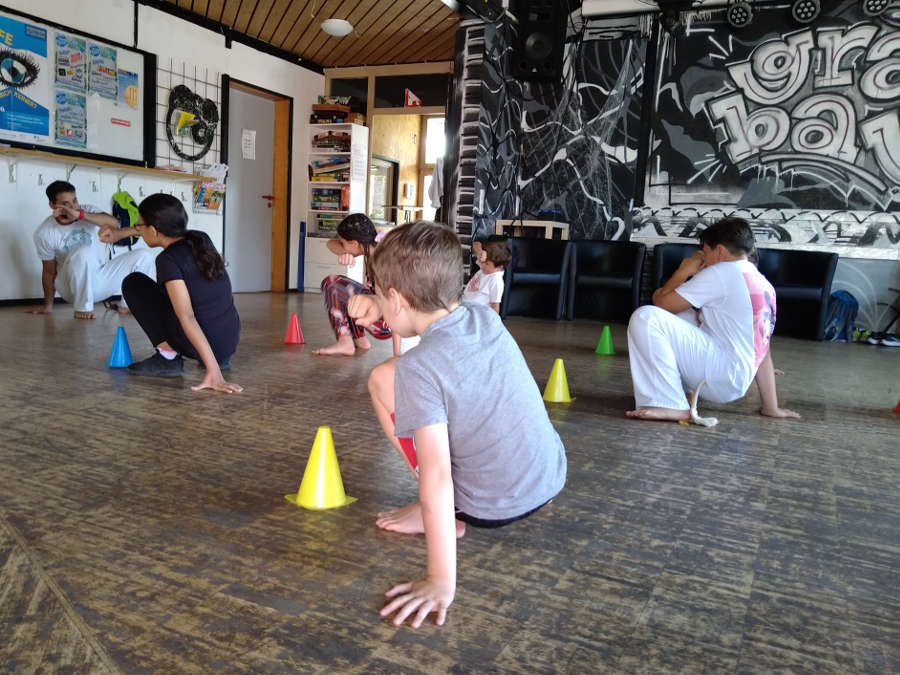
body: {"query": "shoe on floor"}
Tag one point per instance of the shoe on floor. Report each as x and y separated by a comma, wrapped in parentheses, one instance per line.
(890, 340)
(875, 338)
(158, 366)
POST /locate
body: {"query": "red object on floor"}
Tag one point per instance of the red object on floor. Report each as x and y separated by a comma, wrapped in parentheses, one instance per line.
(294, 334)
(408, 446)
(897, 408)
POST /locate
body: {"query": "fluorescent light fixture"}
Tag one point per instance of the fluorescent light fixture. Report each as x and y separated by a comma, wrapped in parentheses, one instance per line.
(337, 27)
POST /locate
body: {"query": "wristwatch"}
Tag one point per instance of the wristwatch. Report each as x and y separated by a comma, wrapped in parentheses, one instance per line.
(80, 214)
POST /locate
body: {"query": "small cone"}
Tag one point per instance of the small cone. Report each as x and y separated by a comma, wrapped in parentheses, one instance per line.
(321, 487)
(897, 408)
(294, 334)
(120, 354)
(605, 346)
(557, 390)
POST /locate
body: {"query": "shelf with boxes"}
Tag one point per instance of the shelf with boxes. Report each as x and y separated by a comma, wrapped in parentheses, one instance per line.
(338, 160)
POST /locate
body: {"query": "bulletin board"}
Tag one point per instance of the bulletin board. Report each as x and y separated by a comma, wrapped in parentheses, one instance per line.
(69, 92)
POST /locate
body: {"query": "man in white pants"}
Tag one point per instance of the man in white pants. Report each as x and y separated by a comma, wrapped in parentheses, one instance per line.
(68, 244)
(711, 322)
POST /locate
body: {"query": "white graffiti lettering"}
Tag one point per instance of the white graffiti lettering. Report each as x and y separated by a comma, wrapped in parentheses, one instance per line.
(765, 129)
(776, 70)
(826, 126)
(881, 135)
(836, 44)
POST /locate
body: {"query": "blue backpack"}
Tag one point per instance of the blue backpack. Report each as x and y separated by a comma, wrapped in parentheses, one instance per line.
(840, 317)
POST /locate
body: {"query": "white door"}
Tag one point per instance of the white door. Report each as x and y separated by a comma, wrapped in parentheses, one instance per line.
(248, 214)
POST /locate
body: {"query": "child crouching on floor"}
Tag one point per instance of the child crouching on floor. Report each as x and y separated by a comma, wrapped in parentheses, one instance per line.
(487, 453)
(486, 286)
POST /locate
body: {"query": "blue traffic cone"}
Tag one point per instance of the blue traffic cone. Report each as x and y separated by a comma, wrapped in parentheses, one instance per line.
(120, 354)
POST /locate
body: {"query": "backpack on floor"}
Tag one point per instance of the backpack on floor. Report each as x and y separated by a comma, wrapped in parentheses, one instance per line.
(125, 209)
(840, 317)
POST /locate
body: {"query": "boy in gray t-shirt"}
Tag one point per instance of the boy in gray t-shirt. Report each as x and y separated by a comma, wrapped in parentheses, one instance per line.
(486, 451)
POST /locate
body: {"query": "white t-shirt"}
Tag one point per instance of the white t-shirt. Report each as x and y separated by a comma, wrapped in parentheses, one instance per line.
(737, 308)
(483, 289)
(54, 241)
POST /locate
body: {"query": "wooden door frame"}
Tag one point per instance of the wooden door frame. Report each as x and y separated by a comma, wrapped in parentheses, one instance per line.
(281, 174)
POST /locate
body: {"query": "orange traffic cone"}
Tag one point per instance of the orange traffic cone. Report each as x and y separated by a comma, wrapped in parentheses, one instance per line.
(294, 334)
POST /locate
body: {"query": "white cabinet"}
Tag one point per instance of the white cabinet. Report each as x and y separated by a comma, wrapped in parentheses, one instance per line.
(338, 161)
(319, 262)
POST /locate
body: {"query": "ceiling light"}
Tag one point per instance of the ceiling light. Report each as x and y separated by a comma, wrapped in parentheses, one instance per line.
(337, 27)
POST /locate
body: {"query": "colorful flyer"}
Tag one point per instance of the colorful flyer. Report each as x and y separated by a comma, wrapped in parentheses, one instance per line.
(24, 96)
(128, 88)
(104, 76)
(71, 119)
(71, 55)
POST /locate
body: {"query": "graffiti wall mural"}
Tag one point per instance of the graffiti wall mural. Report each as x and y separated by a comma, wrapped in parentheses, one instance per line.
(564, 150)
(795, 128)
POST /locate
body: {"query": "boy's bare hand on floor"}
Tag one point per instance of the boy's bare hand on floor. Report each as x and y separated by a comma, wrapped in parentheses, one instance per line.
(419, 597)
(782, 413)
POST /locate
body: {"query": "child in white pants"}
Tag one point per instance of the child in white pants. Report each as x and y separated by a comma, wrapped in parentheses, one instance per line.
(714, 328)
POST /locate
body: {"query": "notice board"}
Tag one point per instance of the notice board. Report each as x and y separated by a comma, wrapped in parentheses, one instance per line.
(66, 91)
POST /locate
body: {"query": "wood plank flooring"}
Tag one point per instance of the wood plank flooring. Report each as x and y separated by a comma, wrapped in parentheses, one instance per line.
(143, 526)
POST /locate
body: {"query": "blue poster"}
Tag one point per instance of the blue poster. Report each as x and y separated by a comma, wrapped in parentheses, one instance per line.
(71, 119)
(70, 61)
(23, 57)
(104, 77)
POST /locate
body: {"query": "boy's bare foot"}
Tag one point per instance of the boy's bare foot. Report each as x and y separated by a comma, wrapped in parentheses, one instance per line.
(363, 343)
(121, 309)
(663, 414)
(343, 347)
(408, 520)
(782, 413)
(84, 315)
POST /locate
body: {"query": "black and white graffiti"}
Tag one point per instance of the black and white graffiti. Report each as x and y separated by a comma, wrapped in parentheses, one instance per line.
(565, 150)
(801, 124)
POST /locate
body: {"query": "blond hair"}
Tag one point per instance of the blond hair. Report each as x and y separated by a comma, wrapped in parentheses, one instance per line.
(422, 261)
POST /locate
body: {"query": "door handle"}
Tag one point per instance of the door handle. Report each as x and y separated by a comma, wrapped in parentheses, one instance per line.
(269, 197)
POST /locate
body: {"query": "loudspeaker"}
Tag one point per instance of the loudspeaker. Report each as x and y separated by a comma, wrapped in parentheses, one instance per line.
(539, 45)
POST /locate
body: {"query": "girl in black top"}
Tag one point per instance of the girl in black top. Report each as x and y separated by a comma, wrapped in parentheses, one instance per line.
(190, 310)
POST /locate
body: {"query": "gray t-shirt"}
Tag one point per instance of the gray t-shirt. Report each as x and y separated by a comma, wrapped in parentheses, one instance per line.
(468, 372)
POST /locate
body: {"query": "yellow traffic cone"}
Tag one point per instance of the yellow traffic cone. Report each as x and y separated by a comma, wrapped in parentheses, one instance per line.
(557, 390)
(321, 487)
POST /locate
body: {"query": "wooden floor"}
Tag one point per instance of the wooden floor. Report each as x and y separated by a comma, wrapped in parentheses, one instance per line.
(143, 527)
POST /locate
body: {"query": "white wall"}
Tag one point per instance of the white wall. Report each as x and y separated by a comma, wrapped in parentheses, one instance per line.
(24, 201)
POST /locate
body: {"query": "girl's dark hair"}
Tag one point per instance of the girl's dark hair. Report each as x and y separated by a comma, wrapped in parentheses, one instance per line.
(167, 215)
(359, 227)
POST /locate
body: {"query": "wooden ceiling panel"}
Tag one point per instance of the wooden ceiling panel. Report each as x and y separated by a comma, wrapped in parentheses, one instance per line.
(405, 30)
(228, 14)
(378, 24)
(245, 13)
(384, 31)
(260, 17)
(273, 23)
(214, 10)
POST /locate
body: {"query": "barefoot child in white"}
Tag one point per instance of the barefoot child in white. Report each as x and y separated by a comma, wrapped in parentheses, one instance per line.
(486, 286)
(724, 343)
(487, 453)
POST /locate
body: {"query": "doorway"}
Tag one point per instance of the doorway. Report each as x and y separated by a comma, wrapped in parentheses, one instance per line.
(258, 153)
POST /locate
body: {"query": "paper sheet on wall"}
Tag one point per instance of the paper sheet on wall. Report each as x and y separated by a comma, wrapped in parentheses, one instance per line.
(70, 62)
(248, 143)
(71, 119)
(104, 74)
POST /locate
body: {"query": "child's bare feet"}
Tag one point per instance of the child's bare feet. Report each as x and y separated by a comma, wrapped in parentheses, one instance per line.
(408, 520)
(662, 414)
(84, 315)
(343, 347)
(782, 413)
(362, 343)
